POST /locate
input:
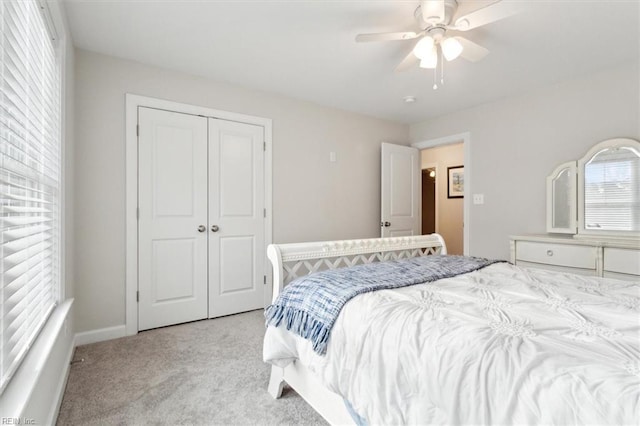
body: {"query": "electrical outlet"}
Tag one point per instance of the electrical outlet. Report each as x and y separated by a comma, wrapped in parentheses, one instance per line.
(478, 198)
(333, 157)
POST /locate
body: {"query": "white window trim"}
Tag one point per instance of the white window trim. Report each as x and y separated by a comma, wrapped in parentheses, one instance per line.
(28, 382)
(133, 102)
(50, 33)
(583, 232)
(56, 23)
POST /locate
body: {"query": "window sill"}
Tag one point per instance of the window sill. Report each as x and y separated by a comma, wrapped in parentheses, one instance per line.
(20, 391)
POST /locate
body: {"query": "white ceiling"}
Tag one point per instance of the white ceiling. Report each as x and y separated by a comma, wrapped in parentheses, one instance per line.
(305, 49)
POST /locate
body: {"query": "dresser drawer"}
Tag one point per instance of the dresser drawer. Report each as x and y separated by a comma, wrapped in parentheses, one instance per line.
(623, 261)
(547, 267)
(573, 256)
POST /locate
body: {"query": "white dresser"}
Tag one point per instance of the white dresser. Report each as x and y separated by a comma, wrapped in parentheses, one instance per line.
(609, 258)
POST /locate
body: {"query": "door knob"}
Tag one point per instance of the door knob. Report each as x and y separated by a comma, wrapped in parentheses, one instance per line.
(215, 228)
(387, 224)
(202, 228)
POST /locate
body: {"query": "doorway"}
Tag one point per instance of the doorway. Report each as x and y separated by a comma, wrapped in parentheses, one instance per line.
(452, 210)
(449, 219)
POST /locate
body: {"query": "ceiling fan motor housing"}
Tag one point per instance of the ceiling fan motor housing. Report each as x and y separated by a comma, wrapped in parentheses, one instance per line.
(450, 7)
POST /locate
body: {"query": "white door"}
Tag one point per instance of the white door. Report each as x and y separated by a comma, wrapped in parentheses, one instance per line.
(401, 191)
(236, 217)
(172, 198)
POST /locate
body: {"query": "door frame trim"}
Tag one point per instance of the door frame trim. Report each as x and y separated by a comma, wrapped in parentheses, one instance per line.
(465, 138)
(132, 103)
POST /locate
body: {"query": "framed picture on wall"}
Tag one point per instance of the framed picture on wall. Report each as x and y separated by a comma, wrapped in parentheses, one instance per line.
(455, 182)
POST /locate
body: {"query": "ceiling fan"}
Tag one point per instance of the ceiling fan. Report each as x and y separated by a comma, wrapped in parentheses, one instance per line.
(439, 20)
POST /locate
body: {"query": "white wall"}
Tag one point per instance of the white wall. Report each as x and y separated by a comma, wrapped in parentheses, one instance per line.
(516, 142)
(313, 199)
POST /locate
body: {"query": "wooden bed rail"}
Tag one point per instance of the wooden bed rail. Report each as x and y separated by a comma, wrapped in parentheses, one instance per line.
(294, 260)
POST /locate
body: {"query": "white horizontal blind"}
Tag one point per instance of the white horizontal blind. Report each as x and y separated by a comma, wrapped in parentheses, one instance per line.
(29, 180)
(612, 190)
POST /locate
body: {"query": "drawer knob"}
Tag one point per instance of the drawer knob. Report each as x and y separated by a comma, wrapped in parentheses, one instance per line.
(549, 252)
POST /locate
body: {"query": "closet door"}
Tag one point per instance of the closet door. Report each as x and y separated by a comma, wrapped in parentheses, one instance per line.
(236, 217)
(172, 227)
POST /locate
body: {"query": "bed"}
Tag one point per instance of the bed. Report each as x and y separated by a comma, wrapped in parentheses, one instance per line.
(499, 345)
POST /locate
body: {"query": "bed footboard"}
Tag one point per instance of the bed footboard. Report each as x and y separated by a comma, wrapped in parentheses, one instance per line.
(291, 261)
(294, 260)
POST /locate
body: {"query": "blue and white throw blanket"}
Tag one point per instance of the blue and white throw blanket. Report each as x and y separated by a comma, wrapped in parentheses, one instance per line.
(310, 305)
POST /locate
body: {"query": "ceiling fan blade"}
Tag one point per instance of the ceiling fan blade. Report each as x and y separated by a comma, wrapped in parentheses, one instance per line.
(409, 61)
(407, 35)
(492, 13)
(471, 51)
(433, 11)
(468, 7)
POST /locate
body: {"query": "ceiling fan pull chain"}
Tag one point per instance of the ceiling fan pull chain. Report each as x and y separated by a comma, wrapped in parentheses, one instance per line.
(435, 71)
(441, 68)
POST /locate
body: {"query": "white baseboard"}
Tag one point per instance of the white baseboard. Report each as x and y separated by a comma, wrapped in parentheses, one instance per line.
(100, 335)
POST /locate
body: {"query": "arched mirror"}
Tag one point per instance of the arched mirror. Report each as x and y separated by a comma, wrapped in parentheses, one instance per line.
(561, 205)
(609, 189)
(607, 183)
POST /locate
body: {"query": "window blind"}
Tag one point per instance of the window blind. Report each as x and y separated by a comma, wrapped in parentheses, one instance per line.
(612, 191)
(30, 163)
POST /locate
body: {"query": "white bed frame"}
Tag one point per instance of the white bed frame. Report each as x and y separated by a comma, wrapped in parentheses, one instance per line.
(291, 261)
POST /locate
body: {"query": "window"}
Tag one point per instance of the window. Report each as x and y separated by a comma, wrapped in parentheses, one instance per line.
(30, 160)
(612, 190)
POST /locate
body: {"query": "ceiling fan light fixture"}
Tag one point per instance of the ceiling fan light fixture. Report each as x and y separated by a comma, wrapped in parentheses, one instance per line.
(451, 48)
(423, 48)
(431, 60)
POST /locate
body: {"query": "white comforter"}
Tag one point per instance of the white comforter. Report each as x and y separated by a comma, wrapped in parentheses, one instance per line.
(503, 345)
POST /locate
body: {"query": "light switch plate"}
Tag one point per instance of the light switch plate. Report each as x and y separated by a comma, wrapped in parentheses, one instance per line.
(478, 198)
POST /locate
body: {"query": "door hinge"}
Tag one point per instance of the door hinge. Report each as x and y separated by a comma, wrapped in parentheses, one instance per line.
(137, 296)
(137, 130)
(265, 280)
(138, 213)
(264, 212)
(264, 146)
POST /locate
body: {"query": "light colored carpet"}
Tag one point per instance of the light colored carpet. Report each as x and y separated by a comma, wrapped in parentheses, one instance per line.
(202, 373)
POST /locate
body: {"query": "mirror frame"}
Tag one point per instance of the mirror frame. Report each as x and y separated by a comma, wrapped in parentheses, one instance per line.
(610, 143)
